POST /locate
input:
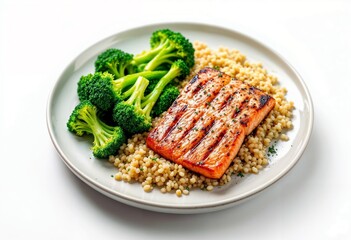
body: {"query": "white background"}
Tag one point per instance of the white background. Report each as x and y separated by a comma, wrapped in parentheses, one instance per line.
(41, 199)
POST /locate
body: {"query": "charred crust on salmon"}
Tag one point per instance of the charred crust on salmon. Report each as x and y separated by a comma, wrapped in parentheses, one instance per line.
(263, 100)
(194, 79)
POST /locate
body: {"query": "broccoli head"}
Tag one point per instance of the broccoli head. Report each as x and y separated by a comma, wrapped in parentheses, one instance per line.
(114, 61)
(84, 121)
(133, 114)
(167, 97)
(104, 91)
(129, 114)
(82, 90)
(98, 89)
(166, 47)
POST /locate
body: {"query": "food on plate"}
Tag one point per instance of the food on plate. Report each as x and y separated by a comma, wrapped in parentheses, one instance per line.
(128, 90)
(165, 100)
(128, 94)
(104, 91)
(206, 125)
(133, 112)
(136, 162)
(84, 120)
(167, 47)
(115, 61)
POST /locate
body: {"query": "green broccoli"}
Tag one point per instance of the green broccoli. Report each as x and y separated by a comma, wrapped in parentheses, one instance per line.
(107, 139)
(154, 81)
(133, 114)
(104, 91)
(129, 114)
(96, 88)
(167, 97)
(166, 47)
(114, 61)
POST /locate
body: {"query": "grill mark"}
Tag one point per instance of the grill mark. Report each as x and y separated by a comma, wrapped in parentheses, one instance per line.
(232, 137)
(252, 89)
(212, 147)
(175, 103)
(205, 80)
(210, 126)
(211, 93)
(192, 124)
(175, 107)
(214, 94)
(245, 120)
(175, 122)
(227, 98)
(201, 86)
(194, 79)
(243, 104)
(206, 69)
(226, 102)
(198, 139)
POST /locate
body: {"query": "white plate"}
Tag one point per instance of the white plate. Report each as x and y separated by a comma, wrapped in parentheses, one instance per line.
(77, 156)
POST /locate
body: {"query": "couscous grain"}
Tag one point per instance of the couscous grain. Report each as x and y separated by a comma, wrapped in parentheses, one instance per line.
(137, 163)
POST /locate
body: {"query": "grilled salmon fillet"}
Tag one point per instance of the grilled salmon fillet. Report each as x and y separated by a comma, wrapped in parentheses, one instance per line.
(206, 125)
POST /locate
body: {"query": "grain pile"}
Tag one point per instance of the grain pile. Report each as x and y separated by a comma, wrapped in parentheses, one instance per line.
(137, 163)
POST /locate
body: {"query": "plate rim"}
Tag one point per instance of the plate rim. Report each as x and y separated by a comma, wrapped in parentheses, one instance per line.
(171, 208)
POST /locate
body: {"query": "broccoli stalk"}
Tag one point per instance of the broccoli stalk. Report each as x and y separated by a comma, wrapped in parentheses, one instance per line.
(166, 47)
(120, 85)
(84, 121)
(133, 114)
(104, 91)
(167, 97)
(176, 70)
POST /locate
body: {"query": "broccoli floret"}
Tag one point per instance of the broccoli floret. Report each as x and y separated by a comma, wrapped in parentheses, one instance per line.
(167, 97)
(133, 114)
(107, 139)
(82, 90)
(129, 114)
(166, 47)
(97, 89)
(114, 61)
(178, 70)
(104, 91)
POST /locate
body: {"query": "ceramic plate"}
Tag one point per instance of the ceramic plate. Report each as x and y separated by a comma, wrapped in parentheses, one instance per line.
(76, 153)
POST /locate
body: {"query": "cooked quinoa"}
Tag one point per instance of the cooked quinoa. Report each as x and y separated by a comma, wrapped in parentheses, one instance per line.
(137, 163)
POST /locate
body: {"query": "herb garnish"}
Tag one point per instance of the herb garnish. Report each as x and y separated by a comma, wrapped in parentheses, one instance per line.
(272, 150)
(240, 174)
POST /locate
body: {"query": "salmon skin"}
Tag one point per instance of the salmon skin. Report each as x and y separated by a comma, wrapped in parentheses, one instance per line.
(206, 125)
